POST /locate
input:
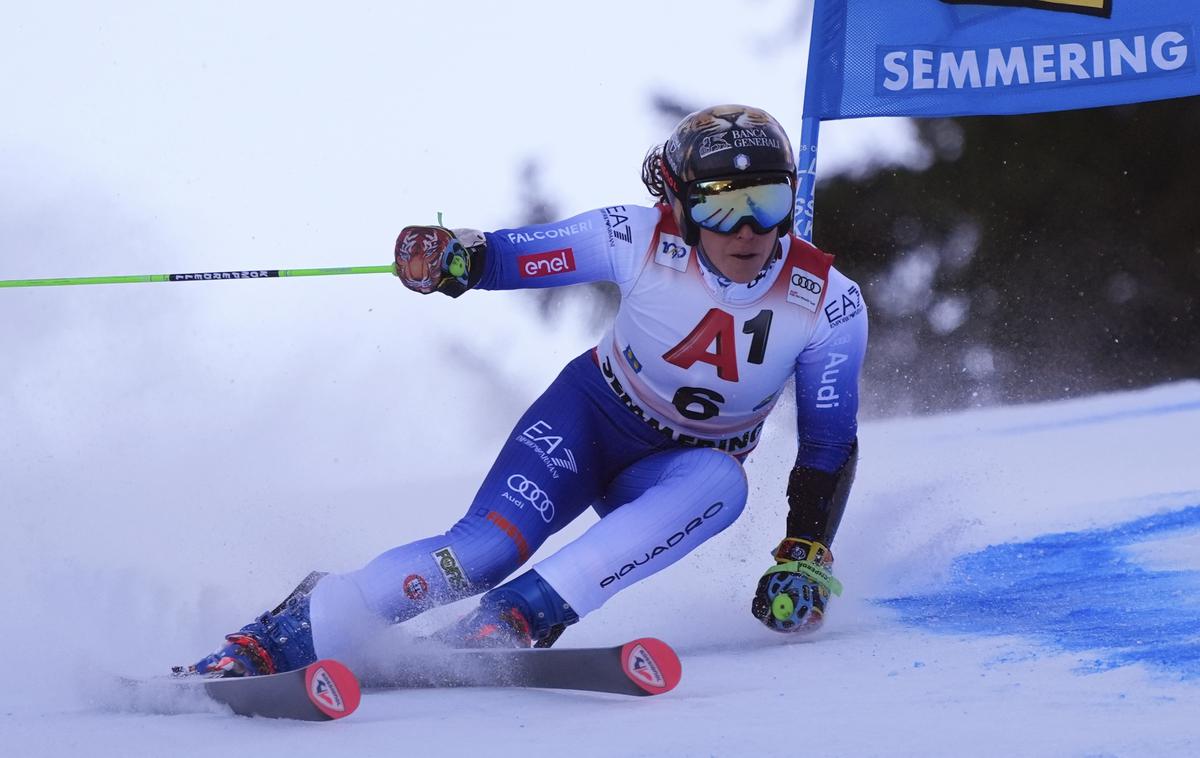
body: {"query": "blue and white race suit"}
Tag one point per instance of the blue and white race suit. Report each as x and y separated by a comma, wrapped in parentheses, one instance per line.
(648, 428)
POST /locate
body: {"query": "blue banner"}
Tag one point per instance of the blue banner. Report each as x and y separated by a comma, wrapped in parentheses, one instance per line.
(959, 58)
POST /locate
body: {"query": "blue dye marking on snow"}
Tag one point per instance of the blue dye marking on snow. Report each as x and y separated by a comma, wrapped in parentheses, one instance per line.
(1077, 591)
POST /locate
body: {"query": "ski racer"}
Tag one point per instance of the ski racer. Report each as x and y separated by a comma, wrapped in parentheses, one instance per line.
(720, 306)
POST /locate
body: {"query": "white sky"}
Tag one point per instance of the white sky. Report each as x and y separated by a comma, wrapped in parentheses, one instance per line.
(280, 135)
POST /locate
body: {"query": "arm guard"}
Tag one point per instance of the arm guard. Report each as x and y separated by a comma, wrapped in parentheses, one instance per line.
(817, 499)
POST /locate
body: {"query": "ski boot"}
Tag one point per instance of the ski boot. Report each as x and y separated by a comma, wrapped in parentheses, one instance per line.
(280, 640)
(792, 594)
(525, 612)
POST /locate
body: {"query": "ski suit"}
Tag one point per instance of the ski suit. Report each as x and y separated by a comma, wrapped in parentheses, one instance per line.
(648, 428)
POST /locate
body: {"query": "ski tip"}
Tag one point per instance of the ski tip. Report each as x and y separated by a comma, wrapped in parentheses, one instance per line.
(332, 688)
(651, 664)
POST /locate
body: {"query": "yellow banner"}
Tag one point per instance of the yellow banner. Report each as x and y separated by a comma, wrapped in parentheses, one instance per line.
(1090, 7)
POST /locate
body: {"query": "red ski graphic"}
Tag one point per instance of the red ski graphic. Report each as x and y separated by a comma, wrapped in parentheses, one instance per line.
(651, 664)
(332, 688)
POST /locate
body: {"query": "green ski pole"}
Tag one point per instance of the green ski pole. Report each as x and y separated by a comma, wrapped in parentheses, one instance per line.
(206, 276)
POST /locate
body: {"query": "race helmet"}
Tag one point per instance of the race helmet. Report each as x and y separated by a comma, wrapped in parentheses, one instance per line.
(726, 166)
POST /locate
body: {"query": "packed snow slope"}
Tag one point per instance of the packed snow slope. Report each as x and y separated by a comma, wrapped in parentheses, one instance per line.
(1019, 581)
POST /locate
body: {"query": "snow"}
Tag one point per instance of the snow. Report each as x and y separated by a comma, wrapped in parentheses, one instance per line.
(998, 563)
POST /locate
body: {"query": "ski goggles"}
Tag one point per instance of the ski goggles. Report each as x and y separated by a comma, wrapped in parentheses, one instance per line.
(722, 205)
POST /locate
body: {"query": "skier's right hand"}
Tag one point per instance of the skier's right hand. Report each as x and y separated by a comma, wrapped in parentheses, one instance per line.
(436, 259)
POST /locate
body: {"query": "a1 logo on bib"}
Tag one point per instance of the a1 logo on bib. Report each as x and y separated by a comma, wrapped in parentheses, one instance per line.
(804, 289)
(671, 252)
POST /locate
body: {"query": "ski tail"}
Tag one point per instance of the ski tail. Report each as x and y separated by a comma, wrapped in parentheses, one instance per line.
(321, 691)
(651, 664)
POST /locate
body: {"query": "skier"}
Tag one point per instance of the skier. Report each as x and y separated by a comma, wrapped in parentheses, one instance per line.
(720, 305)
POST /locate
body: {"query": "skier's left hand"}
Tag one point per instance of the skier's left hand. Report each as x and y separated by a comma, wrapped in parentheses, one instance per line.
(792, 594)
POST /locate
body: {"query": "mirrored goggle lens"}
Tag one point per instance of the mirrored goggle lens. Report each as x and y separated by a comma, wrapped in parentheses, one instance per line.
(722, 205)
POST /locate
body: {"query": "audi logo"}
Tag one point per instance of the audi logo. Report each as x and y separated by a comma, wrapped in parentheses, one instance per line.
(534, 494)
(804, 283)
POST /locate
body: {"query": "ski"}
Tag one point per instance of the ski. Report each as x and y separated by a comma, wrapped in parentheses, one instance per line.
(321, 691)
(328, 690)
(645, 666)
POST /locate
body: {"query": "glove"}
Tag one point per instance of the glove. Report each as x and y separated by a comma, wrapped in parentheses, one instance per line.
(435, 259)
(792, 594)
